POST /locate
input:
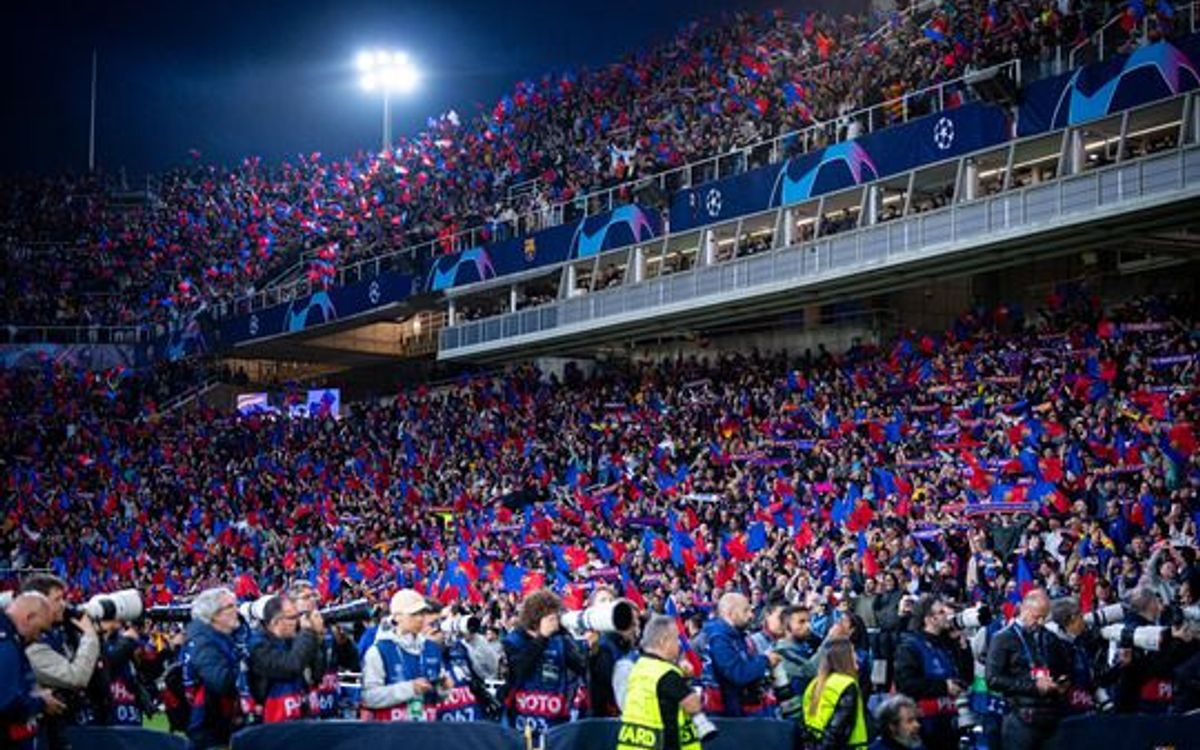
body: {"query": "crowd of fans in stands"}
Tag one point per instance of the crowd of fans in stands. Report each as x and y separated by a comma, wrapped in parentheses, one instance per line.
(1062, 453)
(75, 255)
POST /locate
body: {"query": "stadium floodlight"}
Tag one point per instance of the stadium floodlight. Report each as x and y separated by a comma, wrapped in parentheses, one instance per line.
(389, 73)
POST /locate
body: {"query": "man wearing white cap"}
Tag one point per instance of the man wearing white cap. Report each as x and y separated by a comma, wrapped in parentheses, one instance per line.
(402, 669)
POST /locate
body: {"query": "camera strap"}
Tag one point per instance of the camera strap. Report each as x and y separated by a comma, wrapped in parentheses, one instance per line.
(1029, 653)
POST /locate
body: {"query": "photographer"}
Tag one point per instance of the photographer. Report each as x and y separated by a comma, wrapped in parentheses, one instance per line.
(465, 697)
(22, 702)
(658, 703)
(1067, 624)
(403, 667)
(1028, 666)
(485, 652)
(211, 669)
(930, 668)
(611, 649)
(542, 665)
(64, 659)
(338, 652)
(1147, 677)
(125, 701)
(286, 660)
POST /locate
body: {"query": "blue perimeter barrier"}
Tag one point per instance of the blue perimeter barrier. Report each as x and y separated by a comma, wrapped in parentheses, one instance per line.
(733, 734)
(1092, 731)
(123, 738)
(355, 735)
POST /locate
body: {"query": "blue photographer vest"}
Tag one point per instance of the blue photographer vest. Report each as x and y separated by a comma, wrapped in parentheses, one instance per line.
(543, 699)
(401, 666)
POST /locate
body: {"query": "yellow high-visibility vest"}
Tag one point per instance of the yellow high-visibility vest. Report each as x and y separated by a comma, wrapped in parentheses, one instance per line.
(835, 685)
(641, 721)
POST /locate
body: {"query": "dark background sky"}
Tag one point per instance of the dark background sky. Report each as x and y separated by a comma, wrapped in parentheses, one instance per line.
(274, 78)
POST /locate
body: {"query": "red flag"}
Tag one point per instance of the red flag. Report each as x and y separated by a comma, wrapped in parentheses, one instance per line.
(1182, 439)
(635, 596)
(804, 537)
(573, 598)
(1087, 592)
(735, 548)
(575, 556)
(246, 587)
(532, 581)
(661, 550)
(689, 560)
(725, 573)
(618, 551)
(1051, 468)
(869, 565)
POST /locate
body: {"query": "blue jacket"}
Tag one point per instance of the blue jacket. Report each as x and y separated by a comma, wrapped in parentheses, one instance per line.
(210, 676)
(738, 673)
(19, 708)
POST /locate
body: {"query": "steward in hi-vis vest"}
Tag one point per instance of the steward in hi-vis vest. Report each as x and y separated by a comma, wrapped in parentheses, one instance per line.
(658, 702)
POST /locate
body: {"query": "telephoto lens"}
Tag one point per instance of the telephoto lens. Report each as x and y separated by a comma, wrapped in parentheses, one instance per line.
(461, 625)
(358, 610)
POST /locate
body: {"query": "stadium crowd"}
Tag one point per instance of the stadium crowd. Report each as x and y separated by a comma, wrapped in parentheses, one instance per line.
(1012, 461)
(77, 253)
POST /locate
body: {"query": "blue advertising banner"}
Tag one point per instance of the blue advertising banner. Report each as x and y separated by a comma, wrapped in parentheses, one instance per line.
(732, 734)
(939, 136)
(589, 236)
(1155, 71)
(319, 308)
(382, 735)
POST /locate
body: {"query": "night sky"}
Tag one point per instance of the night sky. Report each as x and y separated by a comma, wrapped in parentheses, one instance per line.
(273, 79)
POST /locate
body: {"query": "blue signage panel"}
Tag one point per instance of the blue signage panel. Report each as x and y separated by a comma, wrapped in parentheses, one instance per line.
(319, 308)
(584, 238)
(930, 139)
(1155, 71)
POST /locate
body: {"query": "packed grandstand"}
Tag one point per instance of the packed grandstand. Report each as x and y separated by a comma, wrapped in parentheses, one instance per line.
(1015, 442)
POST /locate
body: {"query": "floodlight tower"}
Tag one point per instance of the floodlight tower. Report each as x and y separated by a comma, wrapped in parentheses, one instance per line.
(387, 72)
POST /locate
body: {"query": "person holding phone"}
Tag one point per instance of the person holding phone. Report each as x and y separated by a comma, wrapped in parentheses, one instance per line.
(1030, 667)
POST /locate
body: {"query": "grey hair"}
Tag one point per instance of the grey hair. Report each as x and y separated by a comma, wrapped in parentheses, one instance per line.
(1063, 610)
(887, 714)
(1141, 598)
(727, 602)
(208, 602)
(657, 630)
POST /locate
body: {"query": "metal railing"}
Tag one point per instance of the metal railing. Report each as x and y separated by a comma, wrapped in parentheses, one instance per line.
(190, 395)
(1076, 197)
(20, 334)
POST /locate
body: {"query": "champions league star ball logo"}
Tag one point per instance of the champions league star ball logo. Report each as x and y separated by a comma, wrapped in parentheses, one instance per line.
(373, 293)
(712, 202)
(943, 134)
(253, 325)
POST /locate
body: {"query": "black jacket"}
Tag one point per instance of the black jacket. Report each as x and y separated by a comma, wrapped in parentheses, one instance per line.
(1149, 665)
(1187, 686)
(1013, 654)
(600, 674)
(841, 724)
(910, 668)
(269, 663)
